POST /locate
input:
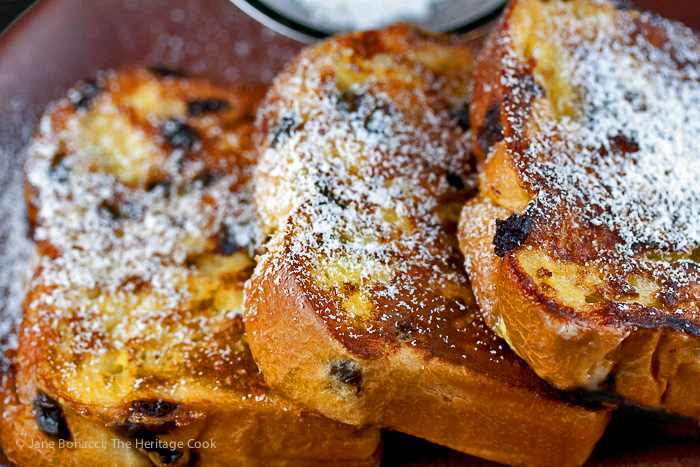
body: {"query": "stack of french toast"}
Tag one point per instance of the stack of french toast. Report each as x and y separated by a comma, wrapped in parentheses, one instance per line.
(404, 233)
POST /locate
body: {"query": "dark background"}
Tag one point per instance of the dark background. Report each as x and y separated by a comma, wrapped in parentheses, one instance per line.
(10, 9)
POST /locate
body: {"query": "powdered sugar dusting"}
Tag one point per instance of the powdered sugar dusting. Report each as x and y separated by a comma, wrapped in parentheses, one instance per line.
(15, 247)
(361, 184)
(627, 156)
(126, 266)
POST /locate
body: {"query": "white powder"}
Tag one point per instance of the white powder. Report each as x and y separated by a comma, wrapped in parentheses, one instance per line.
(624, 163)
(15, 247)
(649, 195)
(365, 185)
(367, 14)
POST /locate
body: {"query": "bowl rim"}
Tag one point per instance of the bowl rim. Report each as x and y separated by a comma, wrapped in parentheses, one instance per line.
(302, 33)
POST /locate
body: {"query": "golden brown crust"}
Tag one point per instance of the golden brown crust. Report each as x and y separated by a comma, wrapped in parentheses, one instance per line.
(492, 409)
(595, 288)
(245, 433)
(132, 325)
(360, 308)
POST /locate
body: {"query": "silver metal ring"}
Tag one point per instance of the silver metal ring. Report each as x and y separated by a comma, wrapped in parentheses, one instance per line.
(288, 18)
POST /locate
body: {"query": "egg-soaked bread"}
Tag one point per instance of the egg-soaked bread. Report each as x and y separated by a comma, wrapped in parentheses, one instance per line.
(360, 308)
(140, 196)
(583, 247)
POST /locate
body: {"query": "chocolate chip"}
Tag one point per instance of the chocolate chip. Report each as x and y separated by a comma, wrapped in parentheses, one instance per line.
(179, 134)
(164, 185)
(227, 243)
(625, 144)
(207, 177)
(349, 101)
(371, 116)
(455, 180)
(156, 408)
(325, 189)
(403, 329)
(166, 455)
(109, 210)
(150, 442)
(81, 98)
(610, 380)
(60, 168)
(531, 86)
(143, 431)
(347, 372)
(511, 233)
(199, 107)
(50, 417)
(164, 71)
(284, 129)
(461, 116)
(491, 130)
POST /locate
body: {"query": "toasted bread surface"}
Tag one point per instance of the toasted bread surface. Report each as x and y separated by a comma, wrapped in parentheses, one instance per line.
(141, 205)
(360, 308)
(583, 245)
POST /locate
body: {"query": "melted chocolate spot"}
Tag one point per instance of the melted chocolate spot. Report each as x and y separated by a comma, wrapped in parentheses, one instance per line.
(349, 102)
(610, 380)
(461, 116)
(325, 189)
(164, 71)
(207, 177)
(531, 86)
(227, 244)
(151, 443)
(60, 168)
(403, 329)
(81, 98)
(109, 210)
(164, 185)
(347, 372)
(511, 233)
(166, 455)
(179, 134)
(199, 107)
(625, 144)
(156, 408)
(455, 180)
(50, 417)
(491, 131)
(284, 129)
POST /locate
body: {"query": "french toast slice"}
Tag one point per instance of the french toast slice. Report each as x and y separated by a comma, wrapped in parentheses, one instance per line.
(583, 246)
(132, 345)
(360, 307)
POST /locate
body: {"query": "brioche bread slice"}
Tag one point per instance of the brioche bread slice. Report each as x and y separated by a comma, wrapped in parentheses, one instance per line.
(132, 349)
(583, 248)
(360, 307)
